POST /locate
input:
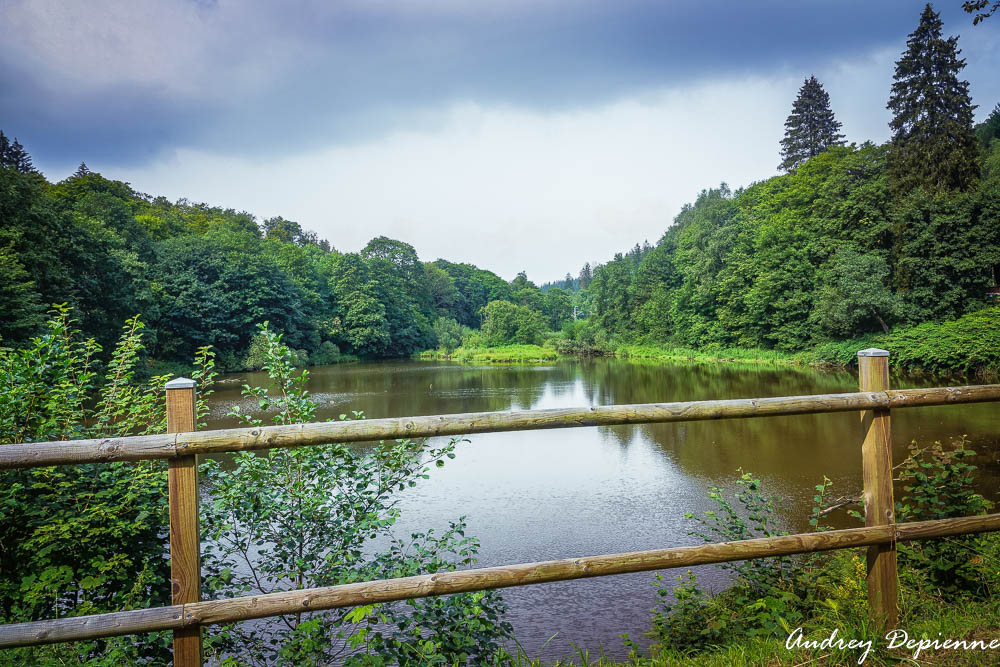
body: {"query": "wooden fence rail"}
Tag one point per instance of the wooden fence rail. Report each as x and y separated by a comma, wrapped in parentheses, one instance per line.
(174, 445)
(209, 612)
(182, 445)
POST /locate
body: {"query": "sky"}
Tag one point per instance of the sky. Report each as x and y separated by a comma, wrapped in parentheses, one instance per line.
(517, 135)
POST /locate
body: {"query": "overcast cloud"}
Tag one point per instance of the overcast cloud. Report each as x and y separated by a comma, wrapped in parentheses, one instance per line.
(515, 135)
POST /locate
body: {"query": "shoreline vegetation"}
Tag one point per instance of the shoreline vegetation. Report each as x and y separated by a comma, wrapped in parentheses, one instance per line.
(965, 347)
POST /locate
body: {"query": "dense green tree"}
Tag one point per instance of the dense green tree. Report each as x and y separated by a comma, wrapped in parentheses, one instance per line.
(856, 292)
(529, 297)
(474, 288)
(402, 289)
(214, 289)
(611, 289)
(558, 308)
(448, 333)
(506, 323)
(359, 317)
(811, 128)
(19, 301)
(947, 249)
(933, 145)
(586, 275)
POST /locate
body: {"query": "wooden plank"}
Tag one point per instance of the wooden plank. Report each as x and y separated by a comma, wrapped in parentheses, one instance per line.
(876, 458)
(298, 435)
(444, 583)
(185, 540)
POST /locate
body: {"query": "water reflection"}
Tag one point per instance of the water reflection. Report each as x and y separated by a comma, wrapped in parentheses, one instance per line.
(560, 493)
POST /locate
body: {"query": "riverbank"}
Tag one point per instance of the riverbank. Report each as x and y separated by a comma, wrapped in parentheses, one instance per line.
(506, 354)
(532, 354)
(968, 346)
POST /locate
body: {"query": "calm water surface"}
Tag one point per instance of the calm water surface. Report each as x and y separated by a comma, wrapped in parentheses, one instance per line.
(540, 495)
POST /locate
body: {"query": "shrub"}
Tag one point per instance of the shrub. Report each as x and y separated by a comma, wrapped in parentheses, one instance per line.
(84, 539)
(321, 516)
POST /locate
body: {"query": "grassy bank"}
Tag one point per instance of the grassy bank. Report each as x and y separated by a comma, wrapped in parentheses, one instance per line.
(967, 346)
(507, 354)
(717, 355)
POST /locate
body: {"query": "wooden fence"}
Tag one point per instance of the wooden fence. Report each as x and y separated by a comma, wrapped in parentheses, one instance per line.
(186, 616)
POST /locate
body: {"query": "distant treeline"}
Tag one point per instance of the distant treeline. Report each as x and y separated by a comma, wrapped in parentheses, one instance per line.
(201, 275)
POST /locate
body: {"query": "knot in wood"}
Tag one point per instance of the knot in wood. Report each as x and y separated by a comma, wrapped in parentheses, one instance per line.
(110, 447)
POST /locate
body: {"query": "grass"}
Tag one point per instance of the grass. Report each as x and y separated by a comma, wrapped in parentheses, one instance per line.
(967, 620)
(720, 355)
(522, 354)
(507, 354)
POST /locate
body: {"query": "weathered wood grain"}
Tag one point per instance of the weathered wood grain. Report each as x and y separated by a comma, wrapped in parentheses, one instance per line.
(298, 435)
(444, 583)
(185, 540)
(876, 459)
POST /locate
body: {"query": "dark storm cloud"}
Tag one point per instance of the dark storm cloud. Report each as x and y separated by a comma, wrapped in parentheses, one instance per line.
(266, 80)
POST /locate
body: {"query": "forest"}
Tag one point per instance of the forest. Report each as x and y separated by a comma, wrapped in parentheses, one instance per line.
(852, 241)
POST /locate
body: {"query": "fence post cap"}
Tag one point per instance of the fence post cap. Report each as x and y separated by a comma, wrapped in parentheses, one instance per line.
(180, 383)
(873, 352)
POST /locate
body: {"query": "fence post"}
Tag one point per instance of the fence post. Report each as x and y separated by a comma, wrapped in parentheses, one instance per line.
(185, 541)
(876, 455)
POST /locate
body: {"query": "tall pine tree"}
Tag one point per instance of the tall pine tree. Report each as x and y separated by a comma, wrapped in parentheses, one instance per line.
(14, 155)
(933, 145)
(811, 128)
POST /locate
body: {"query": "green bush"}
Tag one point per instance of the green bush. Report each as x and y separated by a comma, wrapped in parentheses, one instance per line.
(969, 344)
(84, 539)
(770, 597)
(938, 484)
(312, 516)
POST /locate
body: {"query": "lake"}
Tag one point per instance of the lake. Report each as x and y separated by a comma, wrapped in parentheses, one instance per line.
(540, 495)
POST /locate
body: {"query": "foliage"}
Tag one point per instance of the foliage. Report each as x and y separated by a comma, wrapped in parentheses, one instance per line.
(769, 596)
(448, 333)
(505, 323)
(933, 145)
(13, 156)
(811, 128)
(989, 129)
(938, 484)
(983, 9)
(321, 516)
(856, 292)
(83, 539)
(966, 345)
(585, 338)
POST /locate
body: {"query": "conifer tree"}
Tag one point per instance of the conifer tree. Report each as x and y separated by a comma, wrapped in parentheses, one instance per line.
(586, 275)
(933, 145)
(12, 154)
(81, 171)
(811, 128)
